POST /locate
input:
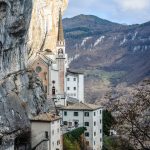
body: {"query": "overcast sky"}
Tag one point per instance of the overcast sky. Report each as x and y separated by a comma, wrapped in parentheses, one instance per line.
(121, 11)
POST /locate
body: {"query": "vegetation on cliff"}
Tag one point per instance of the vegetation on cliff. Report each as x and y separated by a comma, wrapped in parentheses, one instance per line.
(74, 140)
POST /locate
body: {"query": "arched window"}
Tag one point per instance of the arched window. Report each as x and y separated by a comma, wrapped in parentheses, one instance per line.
(53, 90)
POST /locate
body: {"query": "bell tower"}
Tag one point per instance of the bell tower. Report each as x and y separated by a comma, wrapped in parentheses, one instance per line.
(61, 55)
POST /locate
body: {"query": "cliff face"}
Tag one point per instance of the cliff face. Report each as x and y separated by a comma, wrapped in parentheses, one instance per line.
(21, 96)
(15, 17)
(26, 27)
(44, 25)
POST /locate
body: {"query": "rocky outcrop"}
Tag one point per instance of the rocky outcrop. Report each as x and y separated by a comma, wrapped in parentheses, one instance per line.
(44, 25)
(21, 97)
(26, 27)
(15, 17)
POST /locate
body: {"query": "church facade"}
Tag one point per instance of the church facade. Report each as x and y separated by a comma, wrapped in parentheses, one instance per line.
(53, 70)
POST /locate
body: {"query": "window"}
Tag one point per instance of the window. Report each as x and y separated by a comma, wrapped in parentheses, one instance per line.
(68, 88)
(74, 88)
(94, 133)
(52, 132)
(58, 130)
(76, 123)
(87, 134)
(75, 113)
(46, 134)
(87, 143)
(94, 123)
(65, 122)
(94, 114)
(86, 124)
(68, 79)
(65, 113)
(58, 142)
(70, 124)
(94, 142)
(100, 130)
(100, 139)
(100, 121)
(100, 111)
(38, 69)
(86, 114)
(74, 79)
(53, 90)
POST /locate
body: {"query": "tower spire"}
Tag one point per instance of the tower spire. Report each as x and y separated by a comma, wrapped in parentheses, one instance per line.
(60, 28)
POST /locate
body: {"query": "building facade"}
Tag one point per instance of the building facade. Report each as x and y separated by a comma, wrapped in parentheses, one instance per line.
(46, 133)
(74, 85)
(52, 69)
(85, 115)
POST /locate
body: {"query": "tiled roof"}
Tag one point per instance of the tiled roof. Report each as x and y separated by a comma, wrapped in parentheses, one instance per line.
(72, 100)
(60, 29)
(74, 72)
(81, 106)
(46, 117)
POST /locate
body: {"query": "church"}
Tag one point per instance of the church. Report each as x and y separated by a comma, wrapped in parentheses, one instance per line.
(64, 88)
(62, 85)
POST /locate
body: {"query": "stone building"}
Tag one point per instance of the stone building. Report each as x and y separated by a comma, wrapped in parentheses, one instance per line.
(46, 132)
(85, 115)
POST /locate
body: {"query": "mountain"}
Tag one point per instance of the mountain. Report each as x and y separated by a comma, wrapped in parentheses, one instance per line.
(109, 53)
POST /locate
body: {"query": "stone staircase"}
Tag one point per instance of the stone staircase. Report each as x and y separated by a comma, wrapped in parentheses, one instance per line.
(40, 142)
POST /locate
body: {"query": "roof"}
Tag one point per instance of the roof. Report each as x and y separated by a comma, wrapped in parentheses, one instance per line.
(45, 117)
(60, 29)
(82, 106)
(74, 72)
(72, 100)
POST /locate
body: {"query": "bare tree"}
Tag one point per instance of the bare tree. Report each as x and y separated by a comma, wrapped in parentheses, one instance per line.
(132, 114)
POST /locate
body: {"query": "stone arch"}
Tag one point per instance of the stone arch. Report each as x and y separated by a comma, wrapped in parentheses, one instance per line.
(22, 141)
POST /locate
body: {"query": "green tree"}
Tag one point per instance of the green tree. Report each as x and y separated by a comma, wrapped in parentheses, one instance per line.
(108, 122)
(73, 140)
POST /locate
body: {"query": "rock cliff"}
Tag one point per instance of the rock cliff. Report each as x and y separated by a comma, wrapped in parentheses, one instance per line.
(26, 27)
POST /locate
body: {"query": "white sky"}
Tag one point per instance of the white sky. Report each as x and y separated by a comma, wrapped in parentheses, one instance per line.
(121, 11)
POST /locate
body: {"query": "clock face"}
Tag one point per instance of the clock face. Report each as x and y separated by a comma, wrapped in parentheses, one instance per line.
(38, 69)
(60, 51)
